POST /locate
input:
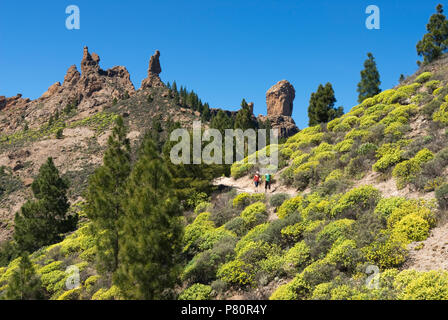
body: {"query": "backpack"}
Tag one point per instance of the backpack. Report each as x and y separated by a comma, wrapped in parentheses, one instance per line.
(256, 178)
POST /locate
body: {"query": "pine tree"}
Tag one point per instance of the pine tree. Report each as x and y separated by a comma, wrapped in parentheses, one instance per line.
(24, 283)
(152, 232)
(206, 114)
(243, 119)
(42, 221)
(105, 197)
(174, 87)
(321, 108)
(221, 121)
(369, 85)
(435, 42)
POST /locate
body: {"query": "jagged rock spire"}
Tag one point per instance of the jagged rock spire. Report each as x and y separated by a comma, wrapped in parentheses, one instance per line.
(153, 79)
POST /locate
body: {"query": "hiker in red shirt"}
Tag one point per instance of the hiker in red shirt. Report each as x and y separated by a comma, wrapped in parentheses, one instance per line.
(257, 181)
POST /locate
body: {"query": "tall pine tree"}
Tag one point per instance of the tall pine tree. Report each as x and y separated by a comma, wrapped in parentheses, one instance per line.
(435, 42)
(321, 108)
(152, 232)
(243, 119)
(24, 283)
(105, 198)
(42, 221)
(369, 85)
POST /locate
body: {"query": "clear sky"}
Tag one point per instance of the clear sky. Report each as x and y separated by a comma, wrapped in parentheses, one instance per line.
(224, 50)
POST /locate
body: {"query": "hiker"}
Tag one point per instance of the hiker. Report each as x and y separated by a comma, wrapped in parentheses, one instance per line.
(267, 183)
(257, 180)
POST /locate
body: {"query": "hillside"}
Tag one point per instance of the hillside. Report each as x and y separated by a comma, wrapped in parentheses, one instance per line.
(371, 194)
(84, 107)
(363, 197)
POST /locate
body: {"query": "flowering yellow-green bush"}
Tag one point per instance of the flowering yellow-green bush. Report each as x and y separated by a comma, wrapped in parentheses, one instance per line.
(298, 255)
(293, 290)
(433, 84)
(441, 115)
(357, 199)
(322, 291)
(344, 145)
(395, 129)
(197, 291)
(73, 294)
(289, 207)
(389, 252)
(407, 170)
(423, 77)
(293, 233)
(202, 234)
(386, 205)
(342, 253)
(417, 207)
(244, 199)
(431, 285)
(356, 133)
(336, 230)
(253, 234)
(388, 155)
(334, 175)
(236, 272)
(113, 293)
(413, 227)
(253, 213)
(342, 292)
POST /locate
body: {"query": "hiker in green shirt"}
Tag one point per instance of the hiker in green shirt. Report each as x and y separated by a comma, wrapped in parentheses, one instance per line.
(267, 183)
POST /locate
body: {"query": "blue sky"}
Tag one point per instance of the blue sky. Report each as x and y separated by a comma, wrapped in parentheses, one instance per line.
(224, 50)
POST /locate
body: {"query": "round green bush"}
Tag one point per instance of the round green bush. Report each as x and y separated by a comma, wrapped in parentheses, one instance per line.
(196, 292)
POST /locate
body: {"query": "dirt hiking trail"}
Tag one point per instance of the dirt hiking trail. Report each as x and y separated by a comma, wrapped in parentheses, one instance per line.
(245, 184)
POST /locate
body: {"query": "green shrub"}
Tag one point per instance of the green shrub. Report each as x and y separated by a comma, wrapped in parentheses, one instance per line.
(367, 148)
(202, 207)
(442, 196)
(386, 205)
(432, 285)
(423, 77)
(254, 214)
(236, 272)
(335, 230)
(413, 227)
(294, 290)
(356, 201)
(196, 292)
(388, 155)
(406, 171)
(297, 256)
(387, 251)
(243, 199)
(289, 207)
(237, 225)
(277, 199)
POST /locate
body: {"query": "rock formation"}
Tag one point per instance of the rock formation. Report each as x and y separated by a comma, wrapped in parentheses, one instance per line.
(153, 79)
(92, 89)
(279, 99)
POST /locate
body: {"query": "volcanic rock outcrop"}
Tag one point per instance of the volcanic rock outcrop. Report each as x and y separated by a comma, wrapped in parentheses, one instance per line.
(153, 79)
(90, 90)
(279, 101)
